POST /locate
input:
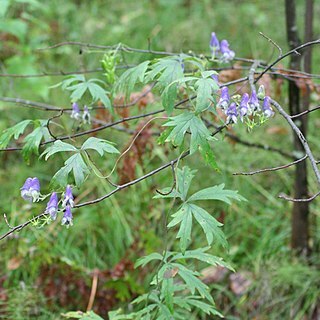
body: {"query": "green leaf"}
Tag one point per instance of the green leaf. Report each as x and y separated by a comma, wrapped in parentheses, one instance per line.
(209, 224)
(131, 77)
(180, 124)
(201, 255)
(145, 260)
(78, 91)
(167, 291)
(217, 193)
(200, 135)
(14, 131)
(206, 308)
(100, 145)
(74, 164)
(32, 142)
(184, 217)
(167, 70)
(205, 87)
(58, 146)
(192, 282)
(184, 178)
(169, 96)
(98, 93)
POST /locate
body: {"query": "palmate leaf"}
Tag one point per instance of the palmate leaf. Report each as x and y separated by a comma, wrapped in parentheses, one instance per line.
(100, 145)
(184, 217)
(203, 306)
(201, 255)
(217, 193)
(78, 85)
(210, 225)
(32, 142)
(58, 146)
(189, 211)
(130, 78)
(200, 135)
(169, 96)
(75, 165)
(166, 70)
(193, 282)
(205, 87)
(14, 132)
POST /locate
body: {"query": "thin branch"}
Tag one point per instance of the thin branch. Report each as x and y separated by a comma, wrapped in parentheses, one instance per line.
(295, 50)
(305, 112)
(117, 189)
(270, 169)
(301, 138)
(273, 42)
(285, 197)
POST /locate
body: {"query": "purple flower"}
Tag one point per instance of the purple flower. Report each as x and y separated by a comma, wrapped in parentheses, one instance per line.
(68, 197)
(254, 102)
(266, 108)
(227, 54)
(30, 191)
(214, 43)
(224, 98)
(215, 77)
(67, 217)
(86, 115)
(75, 114)
(243, 107)
(232, 113)
(52, 206)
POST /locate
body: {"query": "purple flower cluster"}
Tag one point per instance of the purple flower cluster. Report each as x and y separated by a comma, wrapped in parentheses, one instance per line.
(30, 191)
(221, 49)
(76, 113)
(249, 105)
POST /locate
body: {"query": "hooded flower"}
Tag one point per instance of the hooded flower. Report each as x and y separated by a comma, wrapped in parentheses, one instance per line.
(75, 114)
(68, 197)
(243, 107)
(215, 77)
(86, 115)
(227, 54)
(266, 108)
(30, 191)
(232, 113)
(224, 98)
(67, 217)
(52, 206)
(254, 102)
(214, 44)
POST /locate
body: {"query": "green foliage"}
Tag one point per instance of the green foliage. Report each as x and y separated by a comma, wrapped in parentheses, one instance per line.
(131, 77)
(78, 85)
(76, 164)
(13, 132)
(31, 141)
(188, 122)
(189, 211)
(170, 298)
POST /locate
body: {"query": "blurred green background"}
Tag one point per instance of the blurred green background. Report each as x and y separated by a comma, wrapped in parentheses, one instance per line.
(45, 272)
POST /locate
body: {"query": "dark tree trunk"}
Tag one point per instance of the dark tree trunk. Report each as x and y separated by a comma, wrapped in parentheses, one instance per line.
(300, 211)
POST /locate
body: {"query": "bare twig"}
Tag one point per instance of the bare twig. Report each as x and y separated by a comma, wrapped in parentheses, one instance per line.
(270, 169)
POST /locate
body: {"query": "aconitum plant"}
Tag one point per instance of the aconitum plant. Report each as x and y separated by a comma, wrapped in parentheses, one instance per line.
(30, 190)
